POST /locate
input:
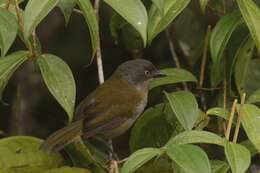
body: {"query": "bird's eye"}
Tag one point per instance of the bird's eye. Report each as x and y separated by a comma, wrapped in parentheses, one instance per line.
(147, 73)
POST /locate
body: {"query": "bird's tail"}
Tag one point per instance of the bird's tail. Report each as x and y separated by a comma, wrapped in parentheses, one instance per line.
(62, 137)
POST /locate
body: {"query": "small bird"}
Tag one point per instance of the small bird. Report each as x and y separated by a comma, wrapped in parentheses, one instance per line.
(111, 108)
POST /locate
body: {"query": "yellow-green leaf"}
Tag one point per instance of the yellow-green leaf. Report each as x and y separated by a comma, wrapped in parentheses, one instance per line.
(67, 169)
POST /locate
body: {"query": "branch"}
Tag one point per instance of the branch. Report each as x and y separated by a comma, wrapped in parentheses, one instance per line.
(230, 120)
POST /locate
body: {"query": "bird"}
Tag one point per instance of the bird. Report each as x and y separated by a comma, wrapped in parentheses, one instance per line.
(112, 108)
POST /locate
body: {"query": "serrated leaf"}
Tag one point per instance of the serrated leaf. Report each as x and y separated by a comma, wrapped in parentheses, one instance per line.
(134, 12)
(143, 134)
(8, 66)
(21, 154)
(66, 7)
(158, 22)
(173, 75)
(67, 169)
(220, 36)
(243, 57)
(8, 30)
(196, 136)
(91, 20)
(251, 15)
(220, 112)
(219, 166)
(251, 123)
(139, 158)
(185, 107)
(203, 5)
(191, 158)
(238, 157)
(34, 13)
(59, 80)
(254, 98)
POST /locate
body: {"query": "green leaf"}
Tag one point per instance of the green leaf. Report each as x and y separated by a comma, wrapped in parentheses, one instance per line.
(66, 7)
(158, 22)
(8, 30)
(174, 75)
(21, 154)
(195, 136)
(250, 147)
(67, 169)
(160, 5)
(190, 158)
(144, 134)
(220, 36)
(59, 80)
(251, 123)
(35, 11)
(252, 83)
(134, 12)
(139, 158)
(219, 166)
(255, 97)
(203, 5)
(91, 20)
(8, 66)
(220, 112)
(251, 15)
(243, 56)
(238, 157)
(185, 107)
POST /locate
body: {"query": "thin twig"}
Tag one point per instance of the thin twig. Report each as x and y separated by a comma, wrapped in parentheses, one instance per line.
(224, 6)
(174, 54)
(98, 54)
(204, 56)
(225, 93)
(239, 118)
(230, 120)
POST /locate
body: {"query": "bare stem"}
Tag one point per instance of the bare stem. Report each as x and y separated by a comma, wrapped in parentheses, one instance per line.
(98, 54)
(224, 6)
(239, 118)
(204, 57)
(7, 4)
(77, 11)
(230, 120)
(174, 54)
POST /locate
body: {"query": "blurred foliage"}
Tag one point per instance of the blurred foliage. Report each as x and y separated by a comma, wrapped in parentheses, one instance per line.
(209, 50)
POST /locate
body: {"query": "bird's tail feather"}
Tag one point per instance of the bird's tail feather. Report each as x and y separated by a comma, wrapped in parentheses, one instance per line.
(62, 137)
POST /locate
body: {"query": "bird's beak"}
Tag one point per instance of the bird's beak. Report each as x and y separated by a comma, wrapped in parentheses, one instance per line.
(158, 73)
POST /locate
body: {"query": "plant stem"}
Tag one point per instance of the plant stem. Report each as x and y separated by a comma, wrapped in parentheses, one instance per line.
(7, 4)
(98, 54)
(230, 120)
(77, 11)
(174, 54)
(224, 6)
(239, 118)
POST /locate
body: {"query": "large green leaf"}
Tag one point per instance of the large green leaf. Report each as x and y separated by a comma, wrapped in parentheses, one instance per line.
(251, 123)
(67, 169)
(144, 134)
(21, 154)
(220, 112)
(174, 75)
(251, 15)
(190, 158)
(139, 158)
(8, 30)
(238, 157)
(66, 7)
(195, 136)
(243, 57)
(8, 65)
(219, 166)
(91, 20)
(252, 83)
(160, 5)
(35, 11)
(158, 22)
(59, 80)
(185, 107)
(220, 36)
(255, 97)
(134, 12)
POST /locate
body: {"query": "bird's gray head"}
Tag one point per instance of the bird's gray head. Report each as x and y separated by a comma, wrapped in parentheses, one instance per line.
(138, 71)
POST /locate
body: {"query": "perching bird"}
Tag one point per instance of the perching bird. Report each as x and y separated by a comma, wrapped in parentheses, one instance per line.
(111, 108)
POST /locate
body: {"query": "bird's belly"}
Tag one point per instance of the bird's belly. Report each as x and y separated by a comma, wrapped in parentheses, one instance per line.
(128, 123)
